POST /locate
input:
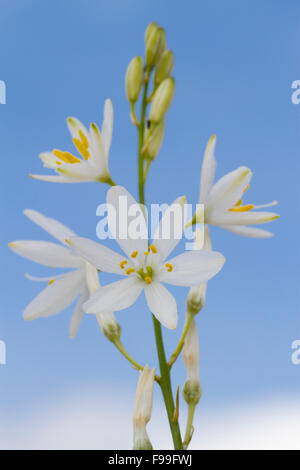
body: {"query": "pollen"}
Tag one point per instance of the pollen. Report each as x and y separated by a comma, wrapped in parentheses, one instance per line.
(169, 267)
(81, 148)
(130, 271)
(134, 254)
(65, 156)
(50, 282)
(153, 249)
(122, 264)
(146, 253)
(246, 208)
(83, 139)
(148, 280)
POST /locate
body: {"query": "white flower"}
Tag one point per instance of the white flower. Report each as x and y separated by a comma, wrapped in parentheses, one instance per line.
(63, 289)
(93, 147)
(143, 409)
(145, 266)
(223, 205)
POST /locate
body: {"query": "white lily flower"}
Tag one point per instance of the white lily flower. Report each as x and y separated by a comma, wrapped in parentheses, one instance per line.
(63, 289)
(93, 147)
(223, 205)
(145, 266)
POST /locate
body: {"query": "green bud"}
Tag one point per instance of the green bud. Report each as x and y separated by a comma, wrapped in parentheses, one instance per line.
(109, 325)
(134, 78)
(155, 136)
(155, 45)
(162, 100)
(192, 392)
(150, 28)
(164, 67)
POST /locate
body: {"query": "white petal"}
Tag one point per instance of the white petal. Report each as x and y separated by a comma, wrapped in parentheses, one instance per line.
(46, 253)
(56, 296)
(208, 170)
(78, 313)
(82, 171)
(123, 211)
(52, 226)
(169, 232)
(55, 178)
(245, 231)
(98, 255)
(98, 151)
(162, 304)
(43, 279)
(227, 191)
(202, 239)
(193, 267)
(107, 125)
(74, 126)
(49, 160)
(115, 296)
(244, 218)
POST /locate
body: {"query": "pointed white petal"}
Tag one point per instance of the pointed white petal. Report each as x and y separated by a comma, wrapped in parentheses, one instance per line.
(245, 231)
(169, 232)
(107, 125)
(115, 296)
(82, 171)
(98, 151)
(162, 304)
(202, 239)
(74, 126)
(56, 296)
(208, 170)
(193, 267)
(52, 226)
(49, 160)
(78, 313)
(46, 253)
(98, 255)
(244, 218)
(43, 279)
(227, 191)
(125, 215)
(54, 178)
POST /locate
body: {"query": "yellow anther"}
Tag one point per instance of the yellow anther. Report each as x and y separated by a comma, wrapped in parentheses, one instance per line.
(50, 282)
(239, 203)
(66, 156)
(134, 254)
(246, 208)
(148, 280)
(129, 271)
(169, 267)
(81, 148)
(58, 163)
(246, 188)
(146, 253)
(122, 264)
(83, 139)
(153, 249)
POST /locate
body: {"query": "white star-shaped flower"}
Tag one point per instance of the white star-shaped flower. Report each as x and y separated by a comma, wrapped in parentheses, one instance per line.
(93, 148)
(63, 289)
(145, 265)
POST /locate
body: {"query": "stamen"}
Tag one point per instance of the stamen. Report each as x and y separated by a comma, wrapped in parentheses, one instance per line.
(169, 267)
(81, 148)
(246, 208)
(65, 156)
(239, 203)
(134, 254)
(148, 280)
(58, 163)
(83, 139)
(146, 253)
(153, 249)
(129, 271)
(50, 282)
(122, 264)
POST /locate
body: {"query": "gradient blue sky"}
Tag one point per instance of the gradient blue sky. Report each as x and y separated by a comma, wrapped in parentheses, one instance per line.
(235, 62)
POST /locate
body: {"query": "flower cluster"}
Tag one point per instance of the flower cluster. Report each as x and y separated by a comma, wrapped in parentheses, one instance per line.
(144, 265)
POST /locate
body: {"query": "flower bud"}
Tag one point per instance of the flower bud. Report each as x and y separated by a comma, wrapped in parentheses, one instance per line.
(150, 28)
(134, 78)
(109, 325)
(143, 409)
(164, 67)
(155, 44)
(192, 388)
(162, 100)
(155, 139)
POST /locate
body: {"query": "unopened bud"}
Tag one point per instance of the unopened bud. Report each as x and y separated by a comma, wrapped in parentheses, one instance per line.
(192, 388)
(155, 137)
(162, 100)
(155, 40)
(109, 325)
(164, 67)
(150, 28)
(192, 392)
(143, 409)
(134, 78)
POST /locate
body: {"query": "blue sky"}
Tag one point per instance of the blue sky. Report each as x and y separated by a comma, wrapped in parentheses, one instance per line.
(234, 65)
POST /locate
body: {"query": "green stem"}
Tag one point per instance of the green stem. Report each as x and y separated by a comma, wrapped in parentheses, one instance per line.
(178, 349)
(165, 380)
(189, 425)
(165, 385)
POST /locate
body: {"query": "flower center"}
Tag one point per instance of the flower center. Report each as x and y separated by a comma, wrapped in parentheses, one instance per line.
(238, 207)
(81, 144)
